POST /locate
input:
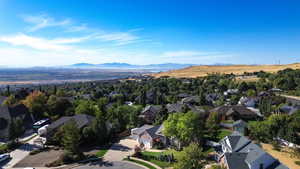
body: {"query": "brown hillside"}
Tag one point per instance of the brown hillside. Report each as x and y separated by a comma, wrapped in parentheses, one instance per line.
(200, 71)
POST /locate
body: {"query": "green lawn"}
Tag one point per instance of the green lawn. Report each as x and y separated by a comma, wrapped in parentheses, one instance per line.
(101, 152)
(3, 148)
(162, 164)
(141, 163)
(223, 133)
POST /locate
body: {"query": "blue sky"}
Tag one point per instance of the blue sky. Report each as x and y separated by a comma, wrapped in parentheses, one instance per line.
(63, 32)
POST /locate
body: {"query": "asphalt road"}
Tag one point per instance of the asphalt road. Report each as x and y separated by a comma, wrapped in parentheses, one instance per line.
(20, 153)
(110, 165)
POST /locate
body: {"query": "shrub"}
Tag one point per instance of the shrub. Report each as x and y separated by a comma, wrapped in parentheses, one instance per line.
(297, 162)
(137, 151)
(38, 151)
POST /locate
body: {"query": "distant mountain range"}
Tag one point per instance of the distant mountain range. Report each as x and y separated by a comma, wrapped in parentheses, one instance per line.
(160, 67)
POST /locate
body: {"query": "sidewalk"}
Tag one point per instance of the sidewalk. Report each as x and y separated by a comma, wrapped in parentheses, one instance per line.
(154, 165)
(21, 152)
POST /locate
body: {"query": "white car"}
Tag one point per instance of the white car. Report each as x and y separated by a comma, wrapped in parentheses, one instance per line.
(4, 157)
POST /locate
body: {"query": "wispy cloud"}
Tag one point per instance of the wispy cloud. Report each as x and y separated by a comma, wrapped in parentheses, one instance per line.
(77, 28)
(38, 22)
(43, 21)
(38, 43)
(121, 38)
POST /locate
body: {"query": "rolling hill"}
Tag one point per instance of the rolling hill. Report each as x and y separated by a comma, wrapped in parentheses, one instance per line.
(200, 71)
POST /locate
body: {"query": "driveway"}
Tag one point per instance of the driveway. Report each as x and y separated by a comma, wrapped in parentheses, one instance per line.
(20, 153)
(120, 150)
(111, 165)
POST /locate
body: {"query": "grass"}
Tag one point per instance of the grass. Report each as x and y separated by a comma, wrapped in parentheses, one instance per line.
(141, 163)
(33, 136)
(162, 164)
(101, 152)
(3, 148)
(201, 71)
(223, 133)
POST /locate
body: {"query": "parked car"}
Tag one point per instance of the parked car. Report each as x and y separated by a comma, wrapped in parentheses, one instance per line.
(4, 157)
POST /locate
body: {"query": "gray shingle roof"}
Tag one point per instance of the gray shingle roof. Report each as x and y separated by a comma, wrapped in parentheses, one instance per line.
(244, 152)
(80, 119)
(152, 108)
(236, 160)
(140, 130)
(236, 141)
(155, 132)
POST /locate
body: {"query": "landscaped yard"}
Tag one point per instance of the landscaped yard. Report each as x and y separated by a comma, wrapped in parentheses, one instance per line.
(3, 148)
(163, 164)
(101, 152)
(223, 133)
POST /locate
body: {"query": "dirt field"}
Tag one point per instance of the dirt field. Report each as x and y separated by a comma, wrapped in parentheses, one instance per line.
(40, 159)
(283, 156)
(200, 71)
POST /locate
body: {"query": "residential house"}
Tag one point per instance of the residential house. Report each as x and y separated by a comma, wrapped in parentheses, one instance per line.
(212, 97)
(248, 101)
(231, 92)
(148, 135)
(192, 100)
(182, 108)
(176, 108)
(237, 112)
(150, 112)
(237, 126)
(81, 120)
(238, 152)
(9, 113)
(286, 109)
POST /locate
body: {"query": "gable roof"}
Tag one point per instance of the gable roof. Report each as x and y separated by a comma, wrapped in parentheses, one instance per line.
(235, 141)
(191, 99)
(155, 132)
(152, 108)
(245, 153)
(175, 108)
(140, 130)
(228, 110)
(80, 119)
(236, 160)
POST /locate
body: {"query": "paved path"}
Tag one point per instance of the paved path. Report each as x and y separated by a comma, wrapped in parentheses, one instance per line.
(120, 150)
(20, 153)
(111, 165)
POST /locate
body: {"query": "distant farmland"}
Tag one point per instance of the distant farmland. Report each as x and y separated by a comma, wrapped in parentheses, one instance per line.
(200, 71)
(45, 76)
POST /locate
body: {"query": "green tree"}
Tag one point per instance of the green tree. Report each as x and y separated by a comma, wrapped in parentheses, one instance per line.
(16, 129)
(260, 131)
(86, 107)
(71, 137)
(58, 106)
(212, 124)
(192, 157)
(186, 127)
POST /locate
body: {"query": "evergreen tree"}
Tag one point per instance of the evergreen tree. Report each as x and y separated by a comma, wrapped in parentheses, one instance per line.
(71, 137)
